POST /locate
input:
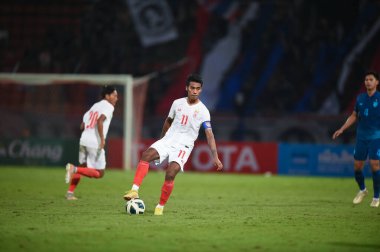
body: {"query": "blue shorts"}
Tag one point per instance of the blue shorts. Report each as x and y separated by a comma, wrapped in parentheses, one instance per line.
(364, 148)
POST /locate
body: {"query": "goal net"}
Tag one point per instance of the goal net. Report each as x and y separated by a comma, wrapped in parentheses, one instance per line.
(51, 106)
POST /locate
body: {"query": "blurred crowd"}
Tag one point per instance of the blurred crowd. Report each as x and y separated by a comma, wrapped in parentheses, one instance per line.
(289, 54)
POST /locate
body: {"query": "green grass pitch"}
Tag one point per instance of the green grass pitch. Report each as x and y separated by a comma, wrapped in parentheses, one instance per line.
(207, 212)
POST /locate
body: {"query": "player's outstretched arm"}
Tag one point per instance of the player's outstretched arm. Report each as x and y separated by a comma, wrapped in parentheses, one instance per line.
(214, 152)
(350, 120)
(167, 124)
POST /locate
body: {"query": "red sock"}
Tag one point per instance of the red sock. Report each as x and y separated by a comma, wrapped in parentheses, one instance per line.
(141, 171)
(74, 182)
(166, 190)
(88, 172)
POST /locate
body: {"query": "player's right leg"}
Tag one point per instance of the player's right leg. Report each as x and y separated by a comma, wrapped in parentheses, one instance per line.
(360, 196)
(131, 194)
(94, 160)
(359, 178)
(360, 155)
(142, 169)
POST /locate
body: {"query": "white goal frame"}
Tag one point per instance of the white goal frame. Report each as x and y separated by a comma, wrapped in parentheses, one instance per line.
(99, 79)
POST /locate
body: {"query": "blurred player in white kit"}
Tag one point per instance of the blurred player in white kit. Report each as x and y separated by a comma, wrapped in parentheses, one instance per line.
(95, 125)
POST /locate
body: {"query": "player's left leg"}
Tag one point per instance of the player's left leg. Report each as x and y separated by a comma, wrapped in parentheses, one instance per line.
(75, 176)
(167, 188)
(374, 156)
(178, 156)
(93, 163)
(73, 185)
(376, 182)
(94, 159)
(74, 180)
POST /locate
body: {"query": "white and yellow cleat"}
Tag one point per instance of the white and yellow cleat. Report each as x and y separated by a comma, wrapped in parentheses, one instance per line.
(360, 196)
(70, 170)
(159, 210)
(375, 202)
(131, 194)
(70, 196)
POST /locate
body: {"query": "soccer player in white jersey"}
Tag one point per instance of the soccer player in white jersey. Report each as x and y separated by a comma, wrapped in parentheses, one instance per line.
(94, 126)
(187, 115)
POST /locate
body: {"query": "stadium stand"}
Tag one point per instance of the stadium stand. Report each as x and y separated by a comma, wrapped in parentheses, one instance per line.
(289, 61)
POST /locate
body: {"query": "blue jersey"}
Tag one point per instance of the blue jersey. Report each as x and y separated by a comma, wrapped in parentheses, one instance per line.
(368, 112)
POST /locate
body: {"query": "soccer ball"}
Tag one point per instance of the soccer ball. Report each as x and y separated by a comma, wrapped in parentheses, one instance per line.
(135, 206)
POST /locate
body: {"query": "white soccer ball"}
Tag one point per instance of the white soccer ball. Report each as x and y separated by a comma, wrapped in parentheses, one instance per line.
(135, 206)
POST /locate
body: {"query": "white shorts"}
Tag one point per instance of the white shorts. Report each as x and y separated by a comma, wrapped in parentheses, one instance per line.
(173, 152)
(94, 157)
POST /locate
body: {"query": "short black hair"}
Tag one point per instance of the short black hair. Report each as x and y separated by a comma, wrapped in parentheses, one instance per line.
(194, 78)
(375, 74)
(107, 90)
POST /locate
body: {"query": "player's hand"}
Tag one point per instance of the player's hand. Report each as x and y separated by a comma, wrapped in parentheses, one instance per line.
(218, 164)
(337, 133)
(102, 144)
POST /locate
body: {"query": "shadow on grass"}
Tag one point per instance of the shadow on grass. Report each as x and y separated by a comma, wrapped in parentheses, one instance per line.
(356, 245)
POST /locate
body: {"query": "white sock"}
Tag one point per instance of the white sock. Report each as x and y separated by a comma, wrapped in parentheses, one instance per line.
(135, 187)
(159, 206)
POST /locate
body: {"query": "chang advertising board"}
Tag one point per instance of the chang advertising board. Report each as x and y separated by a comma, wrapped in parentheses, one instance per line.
(38, 151)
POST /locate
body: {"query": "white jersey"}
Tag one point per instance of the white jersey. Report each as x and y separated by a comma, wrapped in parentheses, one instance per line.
(90, 136)
(187, 120)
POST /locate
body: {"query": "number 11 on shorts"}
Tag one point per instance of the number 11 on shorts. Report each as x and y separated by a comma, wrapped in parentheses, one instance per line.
(181, 154)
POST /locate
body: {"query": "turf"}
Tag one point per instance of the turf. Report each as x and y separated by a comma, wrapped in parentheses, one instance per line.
(207, 212)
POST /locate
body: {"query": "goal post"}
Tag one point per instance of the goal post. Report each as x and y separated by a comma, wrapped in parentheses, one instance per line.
(97, 79)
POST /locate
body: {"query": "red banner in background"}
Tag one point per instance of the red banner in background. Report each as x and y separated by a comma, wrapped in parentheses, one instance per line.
(114, 153)
(237, 157)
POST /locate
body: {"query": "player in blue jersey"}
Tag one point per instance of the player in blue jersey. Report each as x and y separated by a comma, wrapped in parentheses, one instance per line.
(367, 114)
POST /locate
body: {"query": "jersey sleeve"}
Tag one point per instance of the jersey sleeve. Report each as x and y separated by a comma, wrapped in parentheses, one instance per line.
(172, 109)
(105, 108)
(356, 108)
(107, 112)
(85, 117)
(205, 115)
